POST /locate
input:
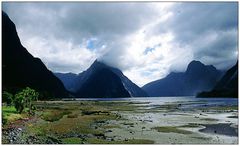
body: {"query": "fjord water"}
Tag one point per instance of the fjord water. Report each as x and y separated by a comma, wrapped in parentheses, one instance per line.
(163, 100)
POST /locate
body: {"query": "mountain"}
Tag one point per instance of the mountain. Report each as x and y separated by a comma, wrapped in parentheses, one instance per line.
(101, 80)
(20, 69)
(196, 78)
(226, 87)
(68, 79)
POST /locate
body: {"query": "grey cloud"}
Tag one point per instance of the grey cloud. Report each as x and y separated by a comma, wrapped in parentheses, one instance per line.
(193, 21)
(192, 26)
(80, 19)
(77, 22)
(63, 67)
(225, 45)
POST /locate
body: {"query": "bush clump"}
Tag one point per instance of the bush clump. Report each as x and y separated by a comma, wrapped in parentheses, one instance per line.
(24, 99)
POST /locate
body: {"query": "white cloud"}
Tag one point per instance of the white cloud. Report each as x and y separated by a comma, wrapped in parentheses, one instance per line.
(145, 40)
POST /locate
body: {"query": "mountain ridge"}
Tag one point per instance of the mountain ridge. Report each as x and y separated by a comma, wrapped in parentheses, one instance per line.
(95, 71)
(196, 77)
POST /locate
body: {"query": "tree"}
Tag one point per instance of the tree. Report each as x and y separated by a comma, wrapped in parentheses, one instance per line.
(24, 99)
(7, 97)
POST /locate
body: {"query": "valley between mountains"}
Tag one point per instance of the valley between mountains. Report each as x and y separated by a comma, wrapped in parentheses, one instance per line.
(103, 106)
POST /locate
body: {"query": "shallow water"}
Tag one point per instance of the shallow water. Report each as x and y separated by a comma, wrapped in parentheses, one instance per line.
(223, 129)
(193, 101)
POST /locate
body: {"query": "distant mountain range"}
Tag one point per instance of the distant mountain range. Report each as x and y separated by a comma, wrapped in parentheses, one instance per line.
(20, 69)
(226, 87)
(100, 80)
(198, 77)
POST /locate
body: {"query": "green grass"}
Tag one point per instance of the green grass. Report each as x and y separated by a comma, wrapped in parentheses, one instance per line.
(190, 125)
(9, 109)
(9, 114)
(54, 115)
(76, 122)
(168, 129)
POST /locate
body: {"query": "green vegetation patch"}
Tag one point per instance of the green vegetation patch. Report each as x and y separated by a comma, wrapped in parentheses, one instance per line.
(54, 115)
(9, 114)
(168, 129)
(209, 119)
(9, 110)
(81, 124)
(72, 115)
(190, 125)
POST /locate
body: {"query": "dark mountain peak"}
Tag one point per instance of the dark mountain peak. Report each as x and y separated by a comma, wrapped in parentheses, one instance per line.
(8, 25)
(4, 15)
(193, 65)
(198, 68)
(101, 80)
(195, 62)
(96, 62)
(196, 78)
(21, 69)
(98, 65)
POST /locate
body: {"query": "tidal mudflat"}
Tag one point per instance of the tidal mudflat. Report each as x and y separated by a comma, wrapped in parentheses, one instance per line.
(132, 121)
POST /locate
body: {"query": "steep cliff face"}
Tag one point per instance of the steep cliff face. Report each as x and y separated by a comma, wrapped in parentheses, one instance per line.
(20, 69)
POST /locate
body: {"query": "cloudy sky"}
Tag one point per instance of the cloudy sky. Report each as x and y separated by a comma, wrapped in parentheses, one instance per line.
(145, 40)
